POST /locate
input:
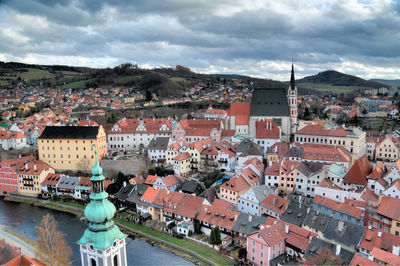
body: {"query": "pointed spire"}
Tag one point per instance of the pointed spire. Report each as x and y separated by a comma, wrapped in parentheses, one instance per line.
(292, 80)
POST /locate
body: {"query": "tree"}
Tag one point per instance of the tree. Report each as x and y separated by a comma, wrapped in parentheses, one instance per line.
(52, 249)
(148, 96)
(197, 227)
(242, 253)
(325, 257)
(84, 165)
(306, 113)
(217, 234)
(212, 237)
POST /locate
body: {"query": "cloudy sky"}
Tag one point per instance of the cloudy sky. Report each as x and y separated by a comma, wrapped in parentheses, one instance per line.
(252, 37)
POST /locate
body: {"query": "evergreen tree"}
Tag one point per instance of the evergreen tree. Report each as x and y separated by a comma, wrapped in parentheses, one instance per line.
(217, 235)
(197, 226)
(212, 237)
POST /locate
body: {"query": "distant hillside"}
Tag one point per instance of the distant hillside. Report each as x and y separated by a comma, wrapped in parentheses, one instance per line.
(336, 78)
(390, 82)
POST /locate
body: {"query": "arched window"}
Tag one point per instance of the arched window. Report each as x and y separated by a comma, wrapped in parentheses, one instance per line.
(93, 262)
(116, 260)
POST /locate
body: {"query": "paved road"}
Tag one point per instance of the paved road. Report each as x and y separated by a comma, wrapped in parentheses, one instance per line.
(26, 248)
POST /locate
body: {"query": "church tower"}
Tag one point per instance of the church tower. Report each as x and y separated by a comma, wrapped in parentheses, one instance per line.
(102, 243)
(292, 100)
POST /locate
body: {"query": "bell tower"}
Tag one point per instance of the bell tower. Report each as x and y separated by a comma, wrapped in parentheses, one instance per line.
(292, 101)
(102, 243)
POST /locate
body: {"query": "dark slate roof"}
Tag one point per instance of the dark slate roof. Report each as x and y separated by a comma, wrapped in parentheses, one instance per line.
(135, 196)
(68, 182)
(125, 191)
(192, 186)
(309, 168)
(209, 194)
(7, 252)
(350, 236)
(284, 259)
(69, 132)
(159, 143)
(316, 220)
(297, 209)
(296, 152)
(269, 102)
(317, 244)
(245, 226)
(249, 148)
(262, 192)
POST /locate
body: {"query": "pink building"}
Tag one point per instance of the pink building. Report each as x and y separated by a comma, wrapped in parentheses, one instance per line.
(266, 244)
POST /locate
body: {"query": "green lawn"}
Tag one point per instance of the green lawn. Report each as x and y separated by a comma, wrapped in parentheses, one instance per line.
(180, 79)
(77, 84)
(330, 88)
(35, 73)
(72, 204)
(199, 249)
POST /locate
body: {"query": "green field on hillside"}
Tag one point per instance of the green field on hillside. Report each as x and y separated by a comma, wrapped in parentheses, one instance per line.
(34, 73)
(180, 79)
(330, 88)
(76, 84)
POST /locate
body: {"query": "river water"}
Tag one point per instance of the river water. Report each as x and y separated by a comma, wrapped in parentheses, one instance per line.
(23, 218)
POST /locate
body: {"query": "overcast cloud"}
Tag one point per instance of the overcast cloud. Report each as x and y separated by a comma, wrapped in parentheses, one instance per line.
(256, 37)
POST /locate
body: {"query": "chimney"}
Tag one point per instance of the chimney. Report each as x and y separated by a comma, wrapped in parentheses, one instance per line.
(250, 218)
(286, 228)
(274, 201)
(338, 249)
(308, 210)
(34, 167)
(236, 216)
(124, 183)
(167, 191)
(379, 234)
(26, 166)
(262, 226)
(396, 250)
(341, 226)
(19, 156)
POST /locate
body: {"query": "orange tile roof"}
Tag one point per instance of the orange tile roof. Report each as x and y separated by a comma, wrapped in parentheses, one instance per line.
(251, 176)
(359, 260)
(328, 184)
(323, 152)
(358, 172)
(51, 179)
(170, 180)
(241, 110)
(385, 256)
(236, 183)
(23, 260)
(273, 169)
(369, 195)
(30, 169)
(18, 135)
(273, 234)
(200, 127)
(182, 156)
(219, 213)
(150, 194)
(129, 125)
(385, 241)
(151, 179)
(256, 163)
(17, 161)
(321, 131)
(379, 171)
(275, 203)
(282, 148)
(338, 206)
(267, 130)
(5, 134)
(395, 184)
(389, 207)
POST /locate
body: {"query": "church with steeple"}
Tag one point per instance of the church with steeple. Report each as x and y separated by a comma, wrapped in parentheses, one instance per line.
(102, 243)
(292, 101)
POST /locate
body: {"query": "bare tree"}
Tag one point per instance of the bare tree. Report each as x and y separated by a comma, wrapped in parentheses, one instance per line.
(325, 257)
(84, 165)
(51, 247)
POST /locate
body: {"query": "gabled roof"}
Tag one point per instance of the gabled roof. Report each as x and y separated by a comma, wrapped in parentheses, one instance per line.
(389, 207)
(170, 180)
(358, 172)
(359, 260)
(385, 256)
(338, 206)
(200, 127)
(267, 129)
(379, 239)
(269, 102)
(69, 132)
(219, 213)
(394, 184)
(51, 179)
(249, 148)
(29, 169)
(150, 194)
(241, 110)
(272, 234)
(158, 143)
(236, 183)
(23, 260)
(182, 156)
(275, 203)
(151, 179)
(247, 223)
(321, 131)
(317, 244)
(351, 234)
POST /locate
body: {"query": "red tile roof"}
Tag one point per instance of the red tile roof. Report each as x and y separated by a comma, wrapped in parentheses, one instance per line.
(321, 152)
(170, 180)
(389, 207)
(236, 183)
(30, 169)
(241, 110)
(151, 179)
(321, 131)
(23, 260)
(273, 170)
(267, 130)
(272, 234)
(385, 256)
(359, 260)
(338, 206)
(219, 213)
(150, 194)
(385, 241)
(378, 172)
(200, 127)
(51, 179)
(358, 172)
(182, 156)
(275, 203)
(129, 125)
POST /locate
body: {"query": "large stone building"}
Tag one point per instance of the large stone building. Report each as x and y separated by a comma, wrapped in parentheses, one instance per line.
(68, 147)
(275, 104)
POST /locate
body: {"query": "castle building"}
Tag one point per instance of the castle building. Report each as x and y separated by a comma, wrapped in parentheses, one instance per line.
(102, 243)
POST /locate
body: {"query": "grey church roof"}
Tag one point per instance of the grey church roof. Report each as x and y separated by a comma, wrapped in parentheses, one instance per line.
(269, 102)
(247, 147)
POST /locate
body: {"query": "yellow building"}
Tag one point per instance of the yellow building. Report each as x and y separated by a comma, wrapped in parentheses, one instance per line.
(31, 176)
(195, 151)
(387, 150)
(71, 147)
(129, 99)
(182, 164)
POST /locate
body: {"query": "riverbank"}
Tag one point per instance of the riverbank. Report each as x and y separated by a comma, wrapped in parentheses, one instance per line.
(12, 237)
(187, 249)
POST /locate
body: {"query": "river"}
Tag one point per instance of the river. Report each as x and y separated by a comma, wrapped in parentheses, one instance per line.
(23, 218)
